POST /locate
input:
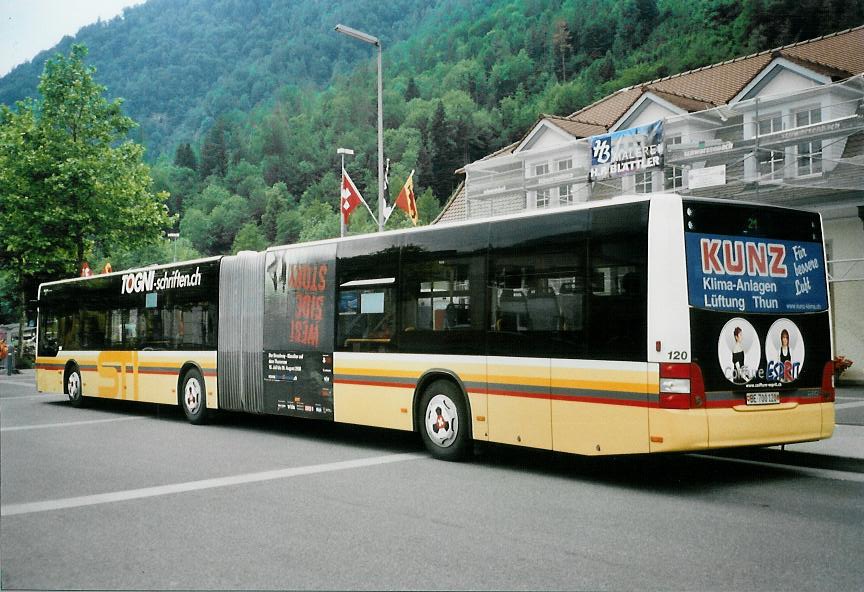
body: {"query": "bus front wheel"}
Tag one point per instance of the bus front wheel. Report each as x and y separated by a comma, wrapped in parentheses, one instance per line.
(193, 397)
(74, 387)
(445, 423)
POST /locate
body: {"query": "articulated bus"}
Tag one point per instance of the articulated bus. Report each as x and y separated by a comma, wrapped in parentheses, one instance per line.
(633, 325)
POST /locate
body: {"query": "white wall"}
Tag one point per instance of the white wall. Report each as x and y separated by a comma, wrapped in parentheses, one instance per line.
(847, 298)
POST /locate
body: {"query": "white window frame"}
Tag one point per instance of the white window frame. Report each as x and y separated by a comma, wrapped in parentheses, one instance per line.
(539, 169)
(565, 164)
(565, 195)
(543, 198)
(809, 112)
(808, 155)
(808, 158)
(643, 182)
(769, 124)
(771, 163)
(673, 176)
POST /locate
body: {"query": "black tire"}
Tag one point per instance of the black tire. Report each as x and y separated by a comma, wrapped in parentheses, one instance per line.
(74, 386)
(444, 421)
(193, 397)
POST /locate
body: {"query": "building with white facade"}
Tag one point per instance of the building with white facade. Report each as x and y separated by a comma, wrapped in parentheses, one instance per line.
(783, 127)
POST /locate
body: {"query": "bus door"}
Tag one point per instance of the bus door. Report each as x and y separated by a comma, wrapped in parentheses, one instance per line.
(759, 321)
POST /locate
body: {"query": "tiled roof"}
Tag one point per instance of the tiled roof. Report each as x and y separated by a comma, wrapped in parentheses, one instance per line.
(685, 103)
(716, 84)
(574, 127)
(843, 51)
(839, 55)
(456, 207)
(607, 111)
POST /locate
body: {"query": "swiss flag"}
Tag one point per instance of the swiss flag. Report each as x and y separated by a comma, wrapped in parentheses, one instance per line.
(351, 198)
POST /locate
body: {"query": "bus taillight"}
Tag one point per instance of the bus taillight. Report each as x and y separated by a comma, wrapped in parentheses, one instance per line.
(827, 391)
(681, 386)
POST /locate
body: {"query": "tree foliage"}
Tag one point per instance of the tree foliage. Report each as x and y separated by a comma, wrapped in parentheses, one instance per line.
(70, 181)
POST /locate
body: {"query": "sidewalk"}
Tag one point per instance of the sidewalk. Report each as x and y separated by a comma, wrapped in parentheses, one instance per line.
(847, 442)
(23, 375)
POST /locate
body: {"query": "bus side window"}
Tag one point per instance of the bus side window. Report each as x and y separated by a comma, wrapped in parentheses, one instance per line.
(48, 331)
(366, 315)
(617, 309)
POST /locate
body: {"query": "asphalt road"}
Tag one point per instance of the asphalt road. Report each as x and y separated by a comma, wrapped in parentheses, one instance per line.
(123, 496)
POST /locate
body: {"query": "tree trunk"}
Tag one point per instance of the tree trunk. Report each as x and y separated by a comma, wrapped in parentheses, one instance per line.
(22, 318)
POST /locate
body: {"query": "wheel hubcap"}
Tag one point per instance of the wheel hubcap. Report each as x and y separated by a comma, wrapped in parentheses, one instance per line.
(442, 420)
(192, 395)
(73, 386)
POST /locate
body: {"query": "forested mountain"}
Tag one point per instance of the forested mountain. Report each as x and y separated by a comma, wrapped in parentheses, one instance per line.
(242, 103)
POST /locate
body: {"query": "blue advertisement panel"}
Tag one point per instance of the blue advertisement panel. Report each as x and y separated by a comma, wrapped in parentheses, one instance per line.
(627, 151)
(755, 275)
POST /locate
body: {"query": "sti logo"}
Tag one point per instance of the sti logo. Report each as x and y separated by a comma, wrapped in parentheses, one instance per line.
(726, 257)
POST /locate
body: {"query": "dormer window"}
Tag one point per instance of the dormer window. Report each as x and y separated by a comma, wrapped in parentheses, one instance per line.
(769, 124)
(808, 117)
(541, 169)
(565, 165)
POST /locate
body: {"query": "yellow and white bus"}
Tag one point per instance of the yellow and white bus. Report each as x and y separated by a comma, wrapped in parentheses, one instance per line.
(633, 325)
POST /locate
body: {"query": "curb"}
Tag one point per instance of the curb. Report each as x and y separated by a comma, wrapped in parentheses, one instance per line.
(796, 458)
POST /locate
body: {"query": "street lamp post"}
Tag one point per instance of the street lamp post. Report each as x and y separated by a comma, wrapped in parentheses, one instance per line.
(366, 38)
(174, 236)
(342, 152)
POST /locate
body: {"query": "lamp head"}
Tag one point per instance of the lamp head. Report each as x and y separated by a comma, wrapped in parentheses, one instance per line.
(360, 35)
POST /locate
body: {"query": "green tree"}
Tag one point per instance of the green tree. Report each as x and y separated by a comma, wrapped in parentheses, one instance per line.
(561, 42)
(185, 157)
(214, 152)
(411, 90)
(69, 179)
(249, 238)
(278, 201)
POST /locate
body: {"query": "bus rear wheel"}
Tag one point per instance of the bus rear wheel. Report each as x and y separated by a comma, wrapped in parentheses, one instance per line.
(193, 397)
(74, 387)
(445, 425)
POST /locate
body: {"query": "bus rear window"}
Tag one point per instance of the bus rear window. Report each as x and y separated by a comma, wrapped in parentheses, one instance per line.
(751, 221)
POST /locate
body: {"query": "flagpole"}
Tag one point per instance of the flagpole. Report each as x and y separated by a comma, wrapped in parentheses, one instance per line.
(342, 152)
(380, 146)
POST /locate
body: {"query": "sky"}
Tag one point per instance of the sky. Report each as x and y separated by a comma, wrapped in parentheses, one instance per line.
(30, 26)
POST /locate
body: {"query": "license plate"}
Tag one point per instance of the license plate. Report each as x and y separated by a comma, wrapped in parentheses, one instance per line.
(763, 398)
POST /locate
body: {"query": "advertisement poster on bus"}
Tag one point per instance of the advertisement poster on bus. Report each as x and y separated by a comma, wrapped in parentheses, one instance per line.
(298, 332)
(748, 275)
(626, 152)
(772, 298)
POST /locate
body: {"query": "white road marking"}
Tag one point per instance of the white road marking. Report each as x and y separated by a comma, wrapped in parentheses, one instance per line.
(39, 396)
(18, 382)
(820, 473)
(133, 494)
(67, 424)
(848, 405)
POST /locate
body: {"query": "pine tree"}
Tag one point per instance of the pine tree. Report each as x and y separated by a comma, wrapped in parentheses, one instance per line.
(411, 91)
(185, 157)
(444, 154)
(214, 153)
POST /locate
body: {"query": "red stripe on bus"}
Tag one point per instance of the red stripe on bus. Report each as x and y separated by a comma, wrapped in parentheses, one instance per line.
(606, 401)
(375, 383)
